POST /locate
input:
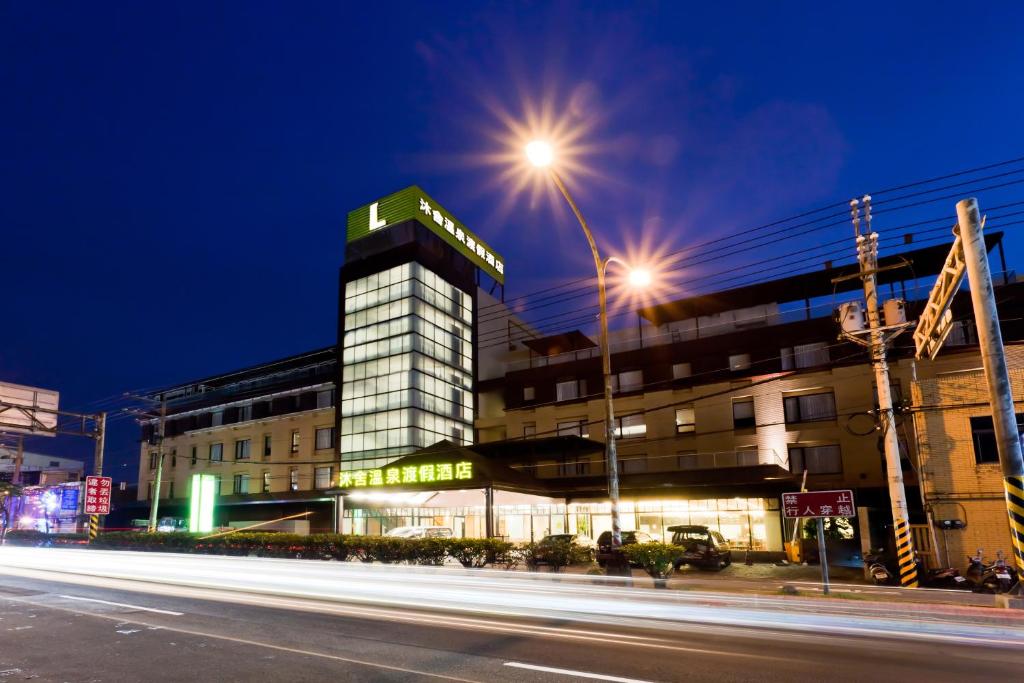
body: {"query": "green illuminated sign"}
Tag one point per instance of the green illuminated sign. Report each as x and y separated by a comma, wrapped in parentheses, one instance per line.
(201, 503)
(412, 203)
(411, 474)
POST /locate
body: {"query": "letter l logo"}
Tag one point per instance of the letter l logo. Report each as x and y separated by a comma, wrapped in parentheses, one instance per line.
(374, 222)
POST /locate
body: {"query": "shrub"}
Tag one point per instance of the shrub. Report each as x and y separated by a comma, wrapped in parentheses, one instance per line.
(27, 537)
(428, 551)
(654, 558)
(473, 553)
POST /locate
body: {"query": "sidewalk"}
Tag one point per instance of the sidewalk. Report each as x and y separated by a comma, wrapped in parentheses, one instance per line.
(772, 580)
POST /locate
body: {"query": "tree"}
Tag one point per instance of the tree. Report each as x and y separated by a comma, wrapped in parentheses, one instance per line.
(836, 528)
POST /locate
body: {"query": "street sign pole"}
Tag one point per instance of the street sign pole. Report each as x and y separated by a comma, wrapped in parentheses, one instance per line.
(823, 555)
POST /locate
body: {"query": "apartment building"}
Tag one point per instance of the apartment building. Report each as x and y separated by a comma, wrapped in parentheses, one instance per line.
(961, 477)
(267, 433)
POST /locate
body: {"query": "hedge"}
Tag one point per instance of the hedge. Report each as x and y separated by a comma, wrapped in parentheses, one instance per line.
(468, 552)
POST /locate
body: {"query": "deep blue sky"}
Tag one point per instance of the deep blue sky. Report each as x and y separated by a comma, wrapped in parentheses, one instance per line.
(176, 175)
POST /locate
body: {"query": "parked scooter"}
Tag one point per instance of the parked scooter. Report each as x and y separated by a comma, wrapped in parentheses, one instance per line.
(883, 574)
(998, 577)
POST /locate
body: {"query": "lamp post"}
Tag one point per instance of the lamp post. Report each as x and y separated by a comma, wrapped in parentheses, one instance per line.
(541, 155)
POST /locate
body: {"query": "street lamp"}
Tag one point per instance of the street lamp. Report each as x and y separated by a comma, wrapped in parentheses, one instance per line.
(541, 155)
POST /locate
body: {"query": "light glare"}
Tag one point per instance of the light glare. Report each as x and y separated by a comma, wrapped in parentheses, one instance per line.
(540, 154)
(640, 278)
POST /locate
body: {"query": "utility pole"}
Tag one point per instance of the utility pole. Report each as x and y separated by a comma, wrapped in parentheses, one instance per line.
(18, 458)
(878, 339)
(97, 469)
(154, 502)
(993, 360)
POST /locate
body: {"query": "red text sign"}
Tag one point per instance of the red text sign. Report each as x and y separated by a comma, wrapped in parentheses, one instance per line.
(819, 504)
(97, 495)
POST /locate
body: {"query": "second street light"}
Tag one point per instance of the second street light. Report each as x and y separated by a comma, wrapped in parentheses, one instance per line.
(541, 155)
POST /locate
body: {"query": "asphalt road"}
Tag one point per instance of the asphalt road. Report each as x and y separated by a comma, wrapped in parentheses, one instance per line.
(88, 628)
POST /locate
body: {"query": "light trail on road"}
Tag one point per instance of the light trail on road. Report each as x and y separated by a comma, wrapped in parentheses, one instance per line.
(392, 589)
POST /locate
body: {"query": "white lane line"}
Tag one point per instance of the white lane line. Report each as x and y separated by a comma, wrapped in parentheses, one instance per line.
(255, 643)
(578, 674)
(122, 604)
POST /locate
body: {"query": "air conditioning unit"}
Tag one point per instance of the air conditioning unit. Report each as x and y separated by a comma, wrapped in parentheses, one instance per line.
(850, 316)
(895, 311)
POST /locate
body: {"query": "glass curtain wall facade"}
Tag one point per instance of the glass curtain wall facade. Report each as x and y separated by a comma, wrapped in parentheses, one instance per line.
(407, 365)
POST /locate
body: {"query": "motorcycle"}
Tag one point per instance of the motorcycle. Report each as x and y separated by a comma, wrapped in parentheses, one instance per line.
(997, 577)
(882, 575)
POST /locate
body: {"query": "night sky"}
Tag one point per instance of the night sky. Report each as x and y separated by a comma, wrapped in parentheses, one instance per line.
(176, 176)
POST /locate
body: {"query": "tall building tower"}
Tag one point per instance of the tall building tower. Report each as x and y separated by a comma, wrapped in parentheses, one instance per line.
(406, 340)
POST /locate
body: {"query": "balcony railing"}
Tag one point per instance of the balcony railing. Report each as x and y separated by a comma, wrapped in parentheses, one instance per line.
(725, 459)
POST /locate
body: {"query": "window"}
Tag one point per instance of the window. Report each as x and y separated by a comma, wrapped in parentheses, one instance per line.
(743, 414)
(572, 428)
(154, 458)
(217, 485)
(242, 449)
(149, 491)
(739, 361)
(195, 455)
(216, 452)
(325, 398)
(574, 468)
(687, 460)
(632, 380)
(266, 482)
(323, 477)
(245, 413)
(571, 389)
(170, 489)
(685, 421)
(217, 419)
(816, 459)
(174, 457)
(54, 463)
(529, 394)
(529, 429)
(630, 426)
(681, 370)
(241, 484)
(810, 407)
(984, 437)
(324, 438)
(632, 464)
(810, 355)
(293, 479)
(267, 445)
(295, 441)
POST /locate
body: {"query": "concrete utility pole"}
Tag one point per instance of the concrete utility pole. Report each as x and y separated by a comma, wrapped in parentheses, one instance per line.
(154, 502)
(97, 469)
(867, 255)
(993, 359)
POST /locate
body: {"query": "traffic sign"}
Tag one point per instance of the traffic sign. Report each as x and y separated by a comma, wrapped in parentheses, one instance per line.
(97, 495)
(819, 504)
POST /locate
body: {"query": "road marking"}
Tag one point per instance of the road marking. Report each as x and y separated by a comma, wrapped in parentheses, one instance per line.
(578, 674)
(254, 643)
(123, 604)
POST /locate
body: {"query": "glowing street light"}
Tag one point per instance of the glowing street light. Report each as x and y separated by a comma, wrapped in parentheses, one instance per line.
(541, 154)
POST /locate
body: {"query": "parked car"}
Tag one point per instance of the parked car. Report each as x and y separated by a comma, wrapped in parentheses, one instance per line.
(604, 543)
(701, 547)
(420, 532)
(583, 543)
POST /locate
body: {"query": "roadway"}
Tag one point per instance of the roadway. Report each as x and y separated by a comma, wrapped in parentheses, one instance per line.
(77, 615)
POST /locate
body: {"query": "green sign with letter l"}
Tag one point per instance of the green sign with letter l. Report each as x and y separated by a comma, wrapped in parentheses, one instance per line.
(412, 203)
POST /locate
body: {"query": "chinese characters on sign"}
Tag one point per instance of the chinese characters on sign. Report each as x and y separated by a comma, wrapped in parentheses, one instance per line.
(819, 504)
(97, 495)
(410, 474)
(471, 244)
